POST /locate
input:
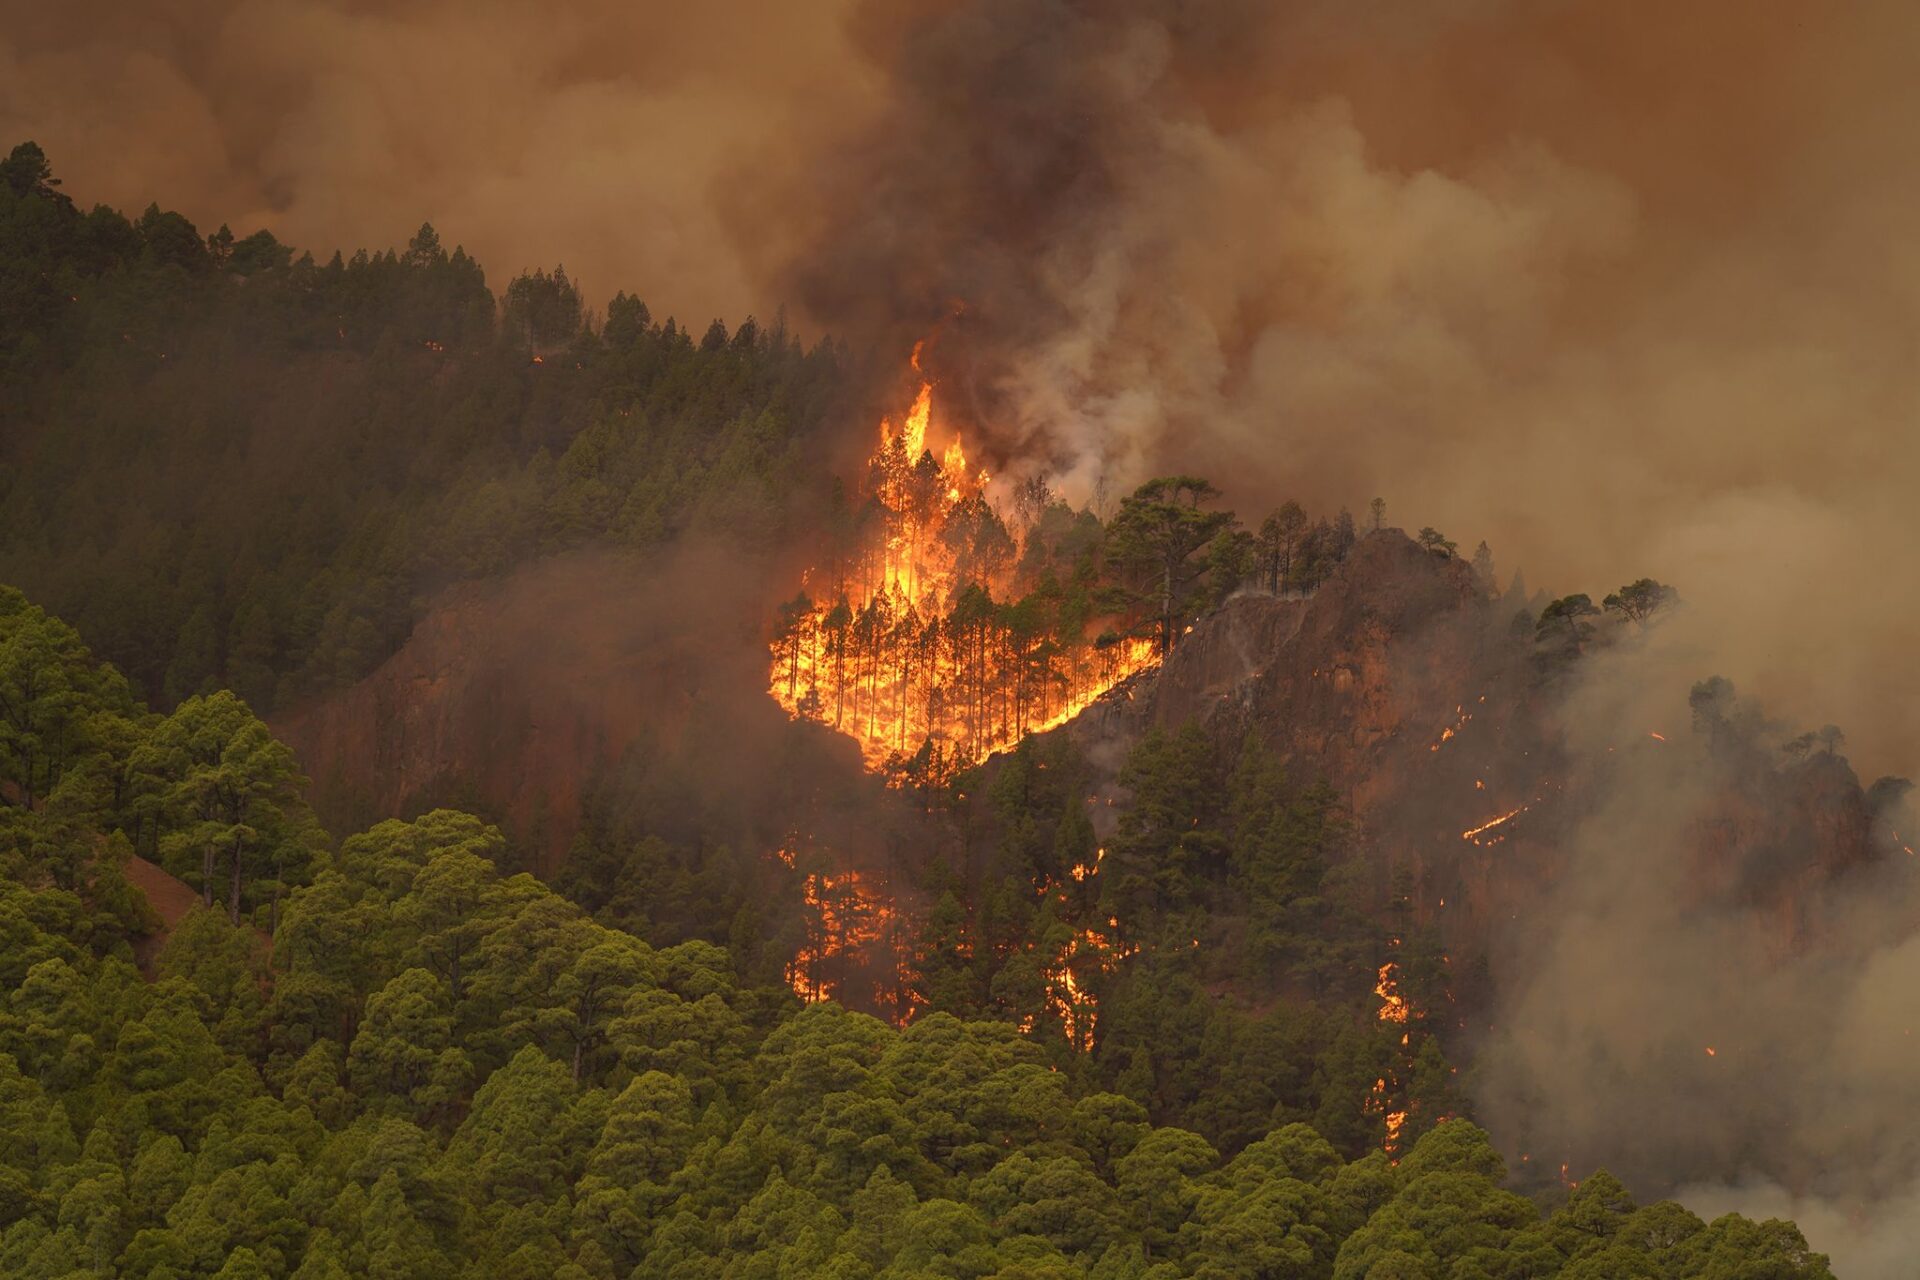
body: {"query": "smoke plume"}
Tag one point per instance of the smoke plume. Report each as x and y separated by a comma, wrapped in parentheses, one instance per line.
(1711, 1000)
(1622, 288)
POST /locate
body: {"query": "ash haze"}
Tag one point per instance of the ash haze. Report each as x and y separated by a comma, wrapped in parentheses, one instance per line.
(1654, 1021)
(583, 133)
(1622, 288)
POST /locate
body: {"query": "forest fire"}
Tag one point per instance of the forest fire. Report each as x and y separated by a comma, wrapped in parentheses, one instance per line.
(1462, 717)
(1474, 834)
(1066, 997)
(1393, 1005)
(924, 634)
(851, 930)
(1394, 1120)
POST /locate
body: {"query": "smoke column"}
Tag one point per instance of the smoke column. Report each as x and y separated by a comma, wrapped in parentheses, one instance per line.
(1623, 288)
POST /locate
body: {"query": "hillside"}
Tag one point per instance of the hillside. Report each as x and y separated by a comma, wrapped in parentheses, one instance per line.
(441, 1070)
(714, 808)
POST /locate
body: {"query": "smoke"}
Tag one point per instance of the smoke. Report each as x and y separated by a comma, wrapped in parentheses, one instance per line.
(589, 132)
(1621, 289)
(1718, 997)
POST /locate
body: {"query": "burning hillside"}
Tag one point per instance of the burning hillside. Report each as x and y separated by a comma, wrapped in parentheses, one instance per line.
(936, 630)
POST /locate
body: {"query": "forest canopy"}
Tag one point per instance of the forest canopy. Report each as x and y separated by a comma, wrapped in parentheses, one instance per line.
(386, 1057)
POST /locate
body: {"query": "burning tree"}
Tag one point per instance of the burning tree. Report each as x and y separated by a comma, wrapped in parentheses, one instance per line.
(938, 634)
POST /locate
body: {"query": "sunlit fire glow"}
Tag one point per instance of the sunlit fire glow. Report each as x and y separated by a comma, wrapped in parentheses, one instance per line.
(908, 642)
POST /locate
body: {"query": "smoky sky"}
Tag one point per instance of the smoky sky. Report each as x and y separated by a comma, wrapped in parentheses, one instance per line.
(1621, 288)
(1624, 288)
(579, 133)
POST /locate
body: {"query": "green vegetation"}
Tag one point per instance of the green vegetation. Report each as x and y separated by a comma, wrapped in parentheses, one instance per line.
(434, 1069)
(241, 472)
(236, 467)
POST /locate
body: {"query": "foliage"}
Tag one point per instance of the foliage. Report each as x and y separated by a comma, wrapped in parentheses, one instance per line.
(235, 466)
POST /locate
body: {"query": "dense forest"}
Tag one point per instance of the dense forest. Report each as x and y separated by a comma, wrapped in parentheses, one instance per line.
(232, 466)
(239, 472)
(385, 1057)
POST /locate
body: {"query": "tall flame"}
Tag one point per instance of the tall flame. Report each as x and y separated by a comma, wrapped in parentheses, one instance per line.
(912, 644)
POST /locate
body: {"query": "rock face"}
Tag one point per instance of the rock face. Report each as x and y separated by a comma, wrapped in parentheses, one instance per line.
(1405, 685)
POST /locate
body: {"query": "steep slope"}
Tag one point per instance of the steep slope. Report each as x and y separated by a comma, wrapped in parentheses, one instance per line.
(1466, 748)
(511, 696)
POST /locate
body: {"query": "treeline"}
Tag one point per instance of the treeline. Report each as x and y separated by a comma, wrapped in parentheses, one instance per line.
(236, 466)
(431, 1068)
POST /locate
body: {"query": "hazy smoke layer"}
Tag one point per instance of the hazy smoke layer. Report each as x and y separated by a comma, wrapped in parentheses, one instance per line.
(1697, 1004)
(1622, 288)
(588, 132)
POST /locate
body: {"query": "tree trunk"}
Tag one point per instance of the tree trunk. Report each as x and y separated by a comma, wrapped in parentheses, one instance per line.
(206, 874)
(1166, 609)
(233, 900)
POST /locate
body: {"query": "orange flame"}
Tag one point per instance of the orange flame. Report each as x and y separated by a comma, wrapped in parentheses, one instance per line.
(1474, 833)
(908, 648)
(1393, 1005)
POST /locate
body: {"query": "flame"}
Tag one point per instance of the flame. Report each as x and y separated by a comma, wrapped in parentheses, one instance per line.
(1451, 731)
(901, 653)
(852, 928)
(1395, 1120)
(1066, 996)
(1473, 833)
(1082, 871)
(1393, 1005)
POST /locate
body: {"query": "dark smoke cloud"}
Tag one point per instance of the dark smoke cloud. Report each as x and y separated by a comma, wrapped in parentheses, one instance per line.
(1622, 288)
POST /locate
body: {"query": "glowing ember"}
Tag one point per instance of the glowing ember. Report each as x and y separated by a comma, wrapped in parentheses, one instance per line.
(1393, 1005)
(1474, 833)
(913, 643)
(1711, 1053)
(1462, 717)
(1656, 736)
